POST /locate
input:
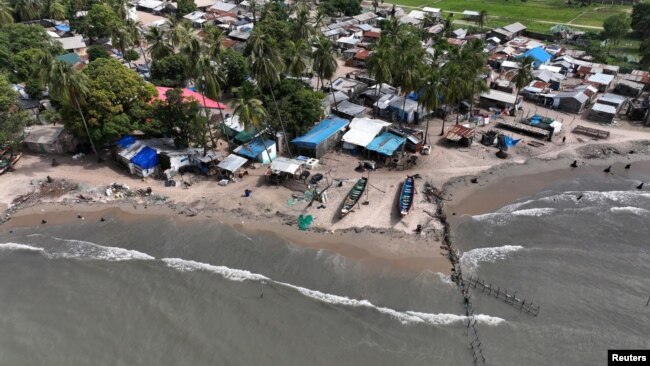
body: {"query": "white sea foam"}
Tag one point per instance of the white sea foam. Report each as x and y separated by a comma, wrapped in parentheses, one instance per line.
(630, 209)
(446, 279)
(470, 260)
(534, 212)
(498, 217)
(87, 250)
(22, 247)
(184, 265)
(407, 317)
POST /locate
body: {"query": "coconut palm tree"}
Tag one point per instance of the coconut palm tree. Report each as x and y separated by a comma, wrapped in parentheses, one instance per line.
(431, 93)
(27, 9)
(251, 113)
(6, 13)
(208, 83)
(379, 66)
(296, 56)
(325, 64)
(375, 5)
(70, 87)
(159, 46)
(213, 42)
(253, 9)
(524, 75)
(56, 10)
(135, 33)
(121, 39)
(266, 65)
(302, 29)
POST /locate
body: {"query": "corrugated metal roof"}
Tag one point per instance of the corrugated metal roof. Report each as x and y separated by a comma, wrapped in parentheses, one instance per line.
(612, 98)
(386, 143)
(363, 131)
(603, 79)
(457, 132)
(321, 132)
(232, 163)
(499, 96)
(604, 108)
(253, 148)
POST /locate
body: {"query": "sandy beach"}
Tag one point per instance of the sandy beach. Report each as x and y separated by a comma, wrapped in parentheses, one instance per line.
(375, 232)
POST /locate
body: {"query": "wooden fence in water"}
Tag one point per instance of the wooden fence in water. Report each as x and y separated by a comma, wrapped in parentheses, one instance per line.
(509, 298)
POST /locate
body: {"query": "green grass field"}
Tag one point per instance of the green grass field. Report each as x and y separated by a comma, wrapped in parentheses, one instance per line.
(535, 14)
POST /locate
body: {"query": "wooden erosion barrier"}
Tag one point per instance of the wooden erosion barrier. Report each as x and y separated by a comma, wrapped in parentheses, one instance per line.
(503, 295)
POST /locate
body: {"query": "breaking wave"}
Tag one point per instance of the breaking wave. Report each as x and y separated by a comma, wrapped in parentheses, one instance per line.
(21, 247)
(630, 209)
(405, 317)
(497, 216)
(470, 260)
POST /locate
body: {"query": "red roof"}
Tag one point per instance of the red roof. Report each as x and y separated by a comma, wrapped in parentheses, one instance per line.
(371, 34)
(187, 93)
(362, 55)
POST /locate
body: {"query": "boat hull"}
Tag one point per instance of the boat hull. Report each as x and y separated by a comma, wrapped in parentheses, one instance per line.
(406, 196)
(354, 196)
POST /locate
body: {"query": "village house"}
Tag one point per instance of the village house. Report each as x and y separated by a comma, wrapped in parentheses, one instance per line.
(74, 44)
(321, 138)
(49, 140)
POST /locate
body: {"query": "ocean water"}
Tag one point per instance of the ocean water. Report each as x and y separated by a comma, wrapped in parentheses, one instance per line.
(159, 292)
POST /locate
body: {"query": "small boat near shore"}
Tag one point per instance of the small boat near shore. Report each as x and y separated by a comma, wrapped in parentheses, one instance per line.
(353, 196)
(406, 196)
(5, 163)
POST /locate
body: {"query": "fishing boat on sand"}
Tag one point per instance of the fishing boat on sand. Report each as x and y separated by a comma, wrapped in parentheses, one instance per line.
(406, 196)
(353, 196)
(5, 163)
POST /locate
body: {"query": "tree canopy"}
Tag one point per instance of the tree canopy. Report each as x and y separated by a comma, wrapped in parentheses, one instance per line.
(100, 22)
(12, 122)
(641, 19)
(180, 118)
(340, 7)
(169, 71)
(19, 42)
(118, 102)
(615, 27)
(298, 104)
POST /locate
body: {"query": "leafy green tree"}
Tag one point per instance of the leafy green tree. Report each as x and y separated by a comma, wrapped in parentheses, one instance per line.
(185, 7)
(181, 119)
(235, 68)
(641, 18)
(598, 52)
(615, 28)
(16, 38)
(100, 22)
(325, 64)
(251, 113)
(298, 106)
(117, 101)
(340, 7)
(12, 122)
(169, 71)
(97, 51)
(131, 55)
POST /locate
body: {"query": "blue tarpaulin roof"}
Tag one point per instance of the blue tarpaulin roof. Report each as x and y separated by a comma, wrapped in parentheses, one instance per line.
(538, 54)
(254, 148)
(147, 158)
(386, 143)
(321, 132)
(125, 141)
(63, 27)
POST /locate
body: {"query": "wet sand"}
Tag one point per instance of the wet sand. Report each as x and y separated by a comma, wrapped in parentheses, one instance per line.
(377, 248)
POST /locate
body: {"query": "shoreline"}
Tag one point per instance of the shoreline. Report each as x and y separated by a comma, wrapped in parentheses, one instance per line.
(396, 247)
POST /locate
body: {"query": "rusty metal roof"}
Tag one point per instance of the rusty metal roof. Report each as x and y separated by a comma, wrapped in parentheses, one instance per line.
(457, 132)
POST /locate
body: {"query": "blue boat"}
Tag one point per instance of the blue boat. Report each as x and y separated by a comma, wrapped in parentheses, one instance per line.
(406, 196)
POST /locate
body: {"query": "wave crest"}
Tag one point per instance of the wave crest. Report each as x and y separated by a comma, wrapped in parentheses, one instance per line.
(470, 260)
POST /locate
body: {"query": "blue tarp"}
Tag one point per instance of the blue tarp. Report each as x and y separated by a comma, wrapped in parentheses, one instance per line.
(321, 132)
(125, 141)
(146, 158)
(386, 143)
(63, 27)
(254, 148)
(539, 55)
(509, 141)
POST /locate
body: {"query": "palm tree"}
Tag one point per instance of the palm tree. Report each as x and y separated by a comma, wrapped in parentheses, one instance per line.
(524, 75)
(302, 30)
(379, 66)
(179, 33)
(251, 113)
(375, 5)
(159, 47)
(27, 9)
(453, 89)
(253, 8)
(325, 64)
(431, 93)
(213, 42)
(207, 81)
(296, 58)
(266, 65)
(121, 39)
(71, 87)
(135, 33)
(6, 13)
(56, 10)
(482, 18)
